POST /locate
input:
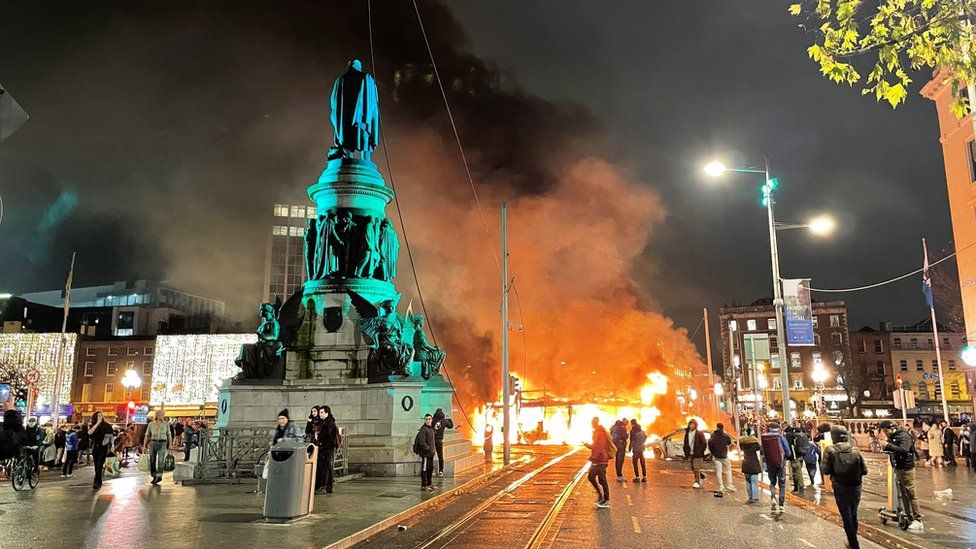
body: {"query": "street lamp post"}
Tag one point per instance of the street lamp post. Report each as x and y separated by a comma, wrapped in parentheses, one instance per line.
(130, 381)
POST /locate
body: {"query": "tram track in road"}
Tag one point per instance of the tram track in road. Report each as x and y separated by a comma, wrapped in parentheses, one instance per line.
(517, 509)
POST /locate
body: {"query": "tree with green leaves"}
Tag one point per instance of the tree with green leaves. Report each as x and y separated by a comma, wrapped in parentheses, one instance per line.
(888, 39)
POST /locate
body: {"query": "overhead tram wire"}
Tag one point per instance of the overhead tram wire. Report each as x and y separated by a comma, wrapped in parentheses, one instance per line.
(467, 170)
(403, 227)
(889, 281)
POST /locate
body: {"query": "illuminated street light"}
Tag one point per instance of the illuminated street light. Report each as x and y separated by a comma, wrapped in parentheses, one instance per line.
(822, 225)
(715, 169)
(969, 355)
(719, 390)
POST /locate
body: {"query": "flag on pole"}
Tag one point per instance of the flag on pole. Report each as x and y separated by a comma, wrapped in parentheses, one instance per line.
(926, 278)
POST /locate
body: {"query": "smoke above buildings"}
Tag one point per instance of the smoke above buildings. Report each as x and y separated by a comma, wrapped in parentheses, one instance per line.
(179, 129)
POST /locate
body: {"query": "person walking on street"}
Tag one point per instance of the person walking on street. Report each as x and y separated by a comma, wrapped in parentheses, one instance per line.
(948, 444)
(423, 446)
(600, 450)
(812, 458)
(101, 436)
(619, 435)
(328, 438)
(70, 452)
(845, 466)
(440, 424)
(776, 452)
(694, 448)
(489, 445)
(935, 445)
(637, 440)
(964, 445)
(751, 468)
(718, 445)
(903, 458)
(157, 441)
(795, 438)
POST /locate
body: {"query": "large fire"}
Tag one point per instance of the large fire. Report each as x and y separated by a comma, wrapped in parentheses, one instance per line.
(552, 420)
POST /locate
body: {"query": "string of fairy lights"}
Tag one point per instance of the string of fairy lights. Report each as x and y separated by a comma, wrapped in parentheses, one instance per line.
(188, 369)
(22, 352)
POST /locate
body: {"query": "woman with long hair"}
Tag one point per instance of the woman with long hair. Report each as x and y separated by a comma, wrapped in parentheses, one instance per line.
(327, 438)
(313, 419)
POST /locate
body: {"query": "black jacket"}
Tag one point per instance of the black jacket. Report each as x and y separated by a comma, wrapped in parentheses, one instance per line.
(719, 444)
(750, 455)
(326, 435)
(901, 444)
(699, 450)
(440, 424)
(59, 438)
(426, 441)
(849, 478)
(310, 428)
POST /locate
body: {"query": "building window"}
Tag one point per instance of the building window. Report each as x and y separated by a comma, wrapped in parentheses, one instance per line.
(816, 339)
(131, 351)
(863, 346)
(109, 392)
(145, 393)
(280, 210)
(130, 364)
(298, 211)
(955, 392)
(146, 367)
(816, 323)
(897, 342)
(878, 346)
(111, 369)
(913, 342)
(919, 365)
(971, 153)
(279, 230)
(296, 231)
(86, 392)
(89, 351)
(923, 390)
(945, 343)
(773, 342)
(148, 351)
(751, 325)
(733, 325)
(795, 361)
(777, 383)
(835, 321)
(89, 369)
(836, 339)
(952, 364)
(113, 351)
(797, 382)
(879, 368)
(735, 361)
(770, 323)
(903, 365)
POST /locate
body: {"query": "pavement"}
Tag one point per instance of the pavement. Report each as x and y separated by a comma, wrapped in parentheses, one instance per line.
(668, 512)
(950, 520)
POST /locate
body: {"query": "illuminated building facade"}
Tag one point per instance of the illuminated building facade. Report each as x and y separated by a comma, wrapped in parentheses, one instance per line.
(188, 370)
(98, 373)
(27, 351)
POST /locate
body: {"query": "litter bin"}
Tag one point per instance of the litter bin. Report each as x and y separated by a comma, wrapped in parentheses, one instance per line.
(291, 480)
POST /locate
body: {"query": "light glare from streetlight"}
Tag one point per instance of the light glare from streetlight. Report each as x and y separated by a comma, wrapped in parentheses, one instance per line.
(822, 225)
(714, 169)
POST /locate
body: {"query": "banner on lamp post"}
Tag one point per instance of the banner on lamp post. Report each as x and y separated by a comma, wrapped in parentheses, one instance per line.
(798, 312)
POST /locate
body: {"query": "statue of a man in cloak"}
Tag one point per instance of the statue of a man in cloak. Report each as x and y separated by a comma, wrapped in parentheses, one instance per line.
(355, 113)
(389, 250)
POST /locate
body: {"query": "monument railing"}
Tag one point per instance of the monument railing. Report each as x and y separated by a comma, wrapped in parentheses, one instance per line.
(236, 453)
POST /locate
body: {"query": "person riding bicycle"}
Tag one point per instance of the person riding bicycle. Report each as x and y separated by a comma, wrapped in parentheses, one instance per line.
(12, 435)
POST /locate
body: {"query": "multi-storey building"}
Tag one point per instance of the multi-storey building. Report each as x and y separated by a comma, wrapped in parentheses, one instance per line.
(751, 357)
(99, 370)
(284, 268)
(913, 357)
(871, 352)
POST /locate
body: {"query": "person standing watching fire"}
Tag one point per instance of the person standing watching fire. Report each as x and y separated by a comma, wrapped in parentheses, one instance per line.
(619, 435)
(694, 448)
(600, 450)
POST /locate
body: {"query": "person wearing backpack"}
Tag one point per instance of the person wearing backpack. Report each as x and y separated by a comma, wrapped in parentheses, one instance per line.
(440, 424)
(694, 448)
(901, 446)
(424, 446)
(799, 444)
(812, 458)
(845, 466)
(637, 440)
(328, 438)
(600, 451)
(776, 452)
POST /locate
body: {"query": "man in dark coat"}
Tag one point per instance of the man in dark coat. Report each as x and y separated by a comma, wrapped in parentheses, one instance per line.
(327, 437)
(901, 445)
(355, 113)
(440, 424)
(426, 448)
(694, 447)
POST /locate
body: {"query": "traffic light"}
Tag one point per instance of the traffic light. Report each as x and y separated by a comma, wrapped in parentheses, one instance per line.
(767, 190)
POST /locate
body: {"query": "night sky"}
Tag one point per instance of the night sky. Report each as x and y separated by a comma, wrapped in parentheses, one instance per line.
(162, 133)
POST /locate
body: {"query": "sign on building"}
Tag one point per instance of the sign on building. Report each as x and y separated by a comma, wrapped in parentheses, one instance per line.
(798, 312)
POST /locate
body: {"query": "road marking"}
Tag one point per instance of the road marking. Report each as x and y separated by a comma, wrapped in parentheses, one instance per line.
(765, 516)
(637, 529)
(630, 500)
(807, 543)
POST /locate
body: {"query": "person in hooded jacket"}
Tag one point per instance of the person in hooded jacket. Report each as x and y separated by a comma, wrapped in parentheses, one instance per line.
(285, 429)
(694, 448)
(35, 436)
(637, 440)
(426, 450)
(440, 424)
(313, 419)
(618, 433)
(600, 450)
(845, 465)
(751, 467)
(59, 443)
(901, 447)
(327, 438)
(12, 436)
(718, 445)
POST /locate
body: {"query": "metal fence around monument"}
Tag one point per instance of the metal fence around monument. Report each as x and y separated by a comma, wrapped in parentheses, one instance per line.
(236, 453)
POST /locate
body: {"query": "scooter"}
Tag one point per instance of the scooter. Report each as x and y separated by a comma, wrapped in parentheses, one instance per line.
(896, 506)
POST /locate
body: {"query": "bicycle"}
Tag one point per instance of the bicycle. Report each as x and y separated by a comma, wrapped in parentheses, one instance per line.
(24, 470)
